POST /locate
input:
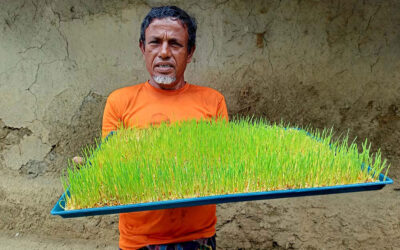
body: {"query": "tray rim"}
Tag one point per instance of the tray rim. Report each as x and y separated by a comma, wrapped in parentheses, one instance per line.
(218, 199)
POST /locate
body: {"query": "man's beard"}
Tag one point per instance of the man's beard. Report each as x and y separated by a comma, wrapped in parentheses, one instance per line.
(166, 80)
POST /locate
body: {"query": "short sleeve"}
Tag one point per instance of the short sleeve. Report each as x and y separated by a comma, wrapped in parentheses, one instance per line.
(222, 111)
(111, 118)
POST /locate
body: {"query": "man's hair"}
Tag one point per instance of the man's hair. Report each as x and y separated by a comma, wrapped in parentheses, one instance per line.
(176, 13)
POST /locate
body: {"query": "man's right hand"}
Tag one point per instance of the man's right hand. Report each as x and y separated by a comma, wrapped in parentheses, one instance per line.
(78, 160)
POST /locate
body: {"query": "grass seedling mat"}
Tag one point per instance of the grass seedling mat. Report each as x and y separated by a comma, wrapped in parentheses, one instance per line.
(208, 162)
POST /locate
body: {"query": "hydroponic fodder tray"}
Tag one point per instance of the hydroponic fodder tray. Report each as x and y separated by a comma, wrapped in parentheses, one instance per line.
(217, 199)
(194, 163)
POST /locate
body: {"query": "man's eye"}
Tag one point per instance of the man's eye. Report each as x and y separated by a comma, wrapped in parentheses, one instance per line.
(153, 42)
(176, 44)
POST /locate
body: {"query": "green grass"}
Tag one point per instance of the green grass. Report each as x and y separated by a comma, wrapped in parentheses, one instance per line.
(194, 159)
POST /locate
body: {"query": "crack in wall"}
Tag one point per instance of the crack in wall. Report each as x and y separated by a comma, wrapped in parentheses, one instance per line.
(67, 56)
(374, 63)
(13, 15)
(35, 4)
(32, 47)
(34, 82)
(221, 3)
(63, 36)
(36, 103)
(353, 8)
(269, 57)
(372, 17)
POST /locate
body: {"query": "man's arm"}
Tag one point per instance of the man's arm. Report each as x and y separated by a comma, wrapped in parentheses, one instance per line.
(222, 111)
(112, 117)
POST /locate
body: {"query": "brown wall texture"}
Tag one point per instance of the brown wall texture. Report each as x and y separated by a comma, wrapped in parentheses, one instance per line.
(318, 63)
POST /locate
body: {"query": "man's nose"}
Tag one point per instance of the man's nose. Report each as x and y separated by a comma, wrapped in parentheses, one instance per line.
(165, 51)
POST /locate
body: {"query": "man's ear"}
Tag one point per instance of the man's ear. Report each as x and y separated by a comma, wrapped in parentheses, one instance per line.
(141, 45)
(190, 55)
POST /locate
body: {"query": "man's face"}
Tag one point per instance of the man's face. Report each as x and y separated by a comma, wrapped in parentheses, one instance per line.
(166, 52)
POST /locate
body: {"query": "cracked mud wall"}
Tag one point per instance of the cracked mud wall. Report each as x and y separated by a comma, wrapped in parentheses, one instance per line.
(318, 63)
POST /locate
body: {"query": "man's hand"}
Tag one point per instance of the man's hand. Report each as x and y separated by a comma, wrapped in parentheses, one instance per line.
(78, 160)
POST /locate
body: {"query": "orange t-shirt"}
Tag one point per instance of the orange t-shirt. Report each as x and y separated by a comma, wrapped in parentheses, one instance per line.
(139, 106)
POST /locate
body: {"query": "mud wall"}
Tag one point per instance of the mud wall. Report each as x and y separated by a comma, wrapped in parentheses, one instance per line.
(318, 63)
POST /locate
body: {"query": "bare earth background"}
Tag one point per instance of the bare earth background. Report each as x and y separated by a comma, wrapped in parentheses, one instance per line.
(318, 63)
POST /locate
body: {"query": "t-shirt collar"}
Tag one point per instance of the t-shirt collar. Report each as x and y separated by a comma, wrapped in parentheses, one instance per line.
(167, 92)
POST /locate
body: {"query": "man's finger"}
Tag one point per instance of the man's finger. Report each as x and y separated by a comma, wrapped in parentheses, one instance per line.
(78, 160)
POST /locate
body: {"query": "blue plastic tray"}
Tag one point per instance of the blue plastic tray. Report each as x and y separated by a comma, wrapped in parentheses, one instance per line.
(58, 208)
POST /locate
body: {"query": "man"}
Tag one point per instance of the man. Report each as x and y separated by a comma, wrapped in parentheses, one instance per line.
(167, 41)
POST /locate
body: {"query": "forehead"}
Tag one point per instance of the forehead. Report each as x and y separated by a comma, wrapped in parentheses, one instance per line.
(167, 26)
